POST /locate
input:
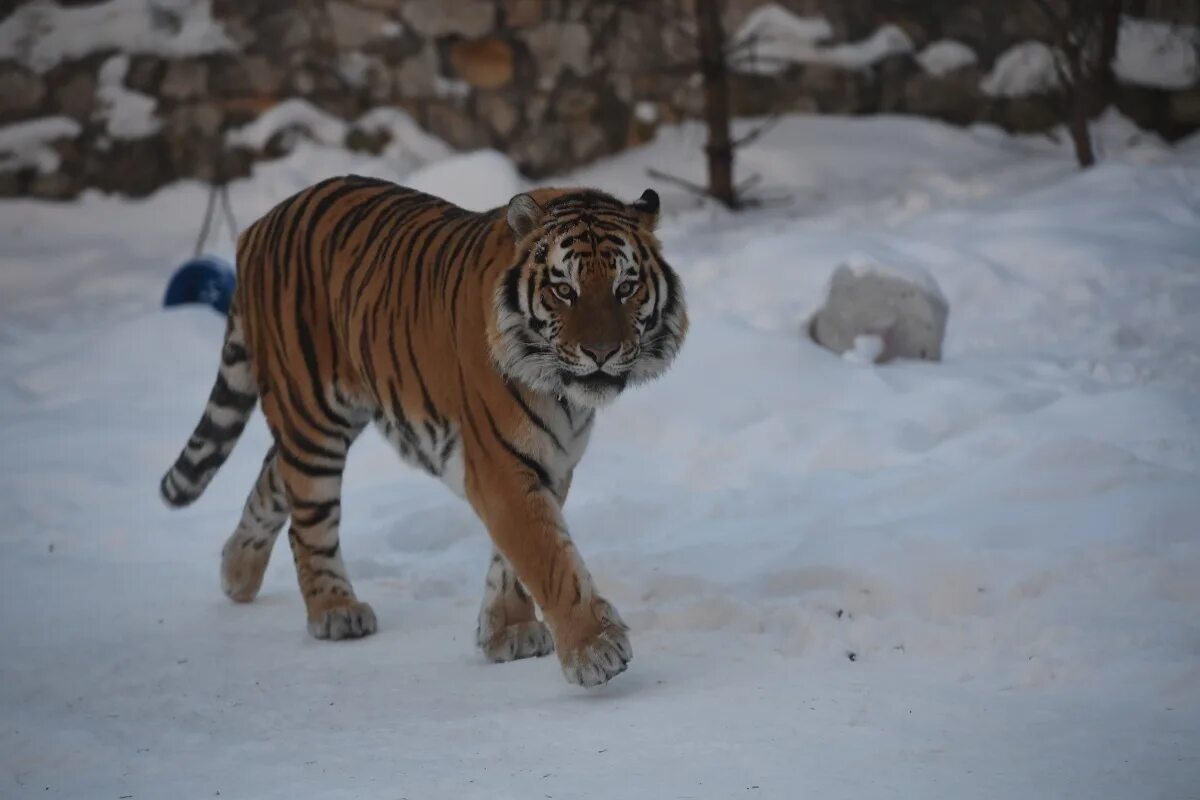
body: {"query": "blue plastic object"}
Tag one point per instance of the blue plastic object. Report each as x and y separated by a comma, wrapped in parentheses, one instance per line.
(205, 279)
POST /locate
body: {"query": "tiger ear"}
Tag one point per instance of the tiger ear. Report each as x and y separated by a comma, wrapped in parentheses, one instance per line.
(524, 214)
(646, 207)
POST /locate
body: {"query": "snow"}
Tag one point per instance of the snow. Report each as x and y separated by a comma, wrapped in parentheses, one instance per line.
(646, 112)
(973, 579)
(908, 269)
(408, 148)
(293, 113)
(945, 56)
(888, 40)
(480, 180)
(126, 114)
(1023, 69)
(867, 349)
(1158, 54)
(27, 144)
(1149, 53)
(42, 33)
(771, 37)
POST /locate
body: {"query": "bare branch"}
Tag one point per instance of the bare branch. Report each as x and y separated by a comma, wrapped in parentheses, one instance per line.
(747, 183)
(767, 124)
(683, 183)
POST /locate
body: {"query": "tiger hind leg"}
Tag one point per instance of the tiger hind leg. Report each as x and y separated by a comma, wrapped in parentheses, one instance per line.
(246, 553)
(508, 626)
(312, 476)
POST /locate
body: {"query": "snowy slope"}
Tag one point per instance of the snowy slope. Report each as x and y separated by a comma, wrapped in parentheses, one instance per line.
(975, 579)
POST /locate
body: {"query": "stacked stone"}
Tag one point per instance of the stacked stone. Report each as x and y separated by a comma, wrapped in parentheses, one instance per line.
(553, 83)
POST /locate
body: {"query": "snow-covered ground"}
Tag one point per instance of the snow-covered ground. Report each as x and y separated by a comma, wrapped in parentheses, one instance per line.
(973, 579)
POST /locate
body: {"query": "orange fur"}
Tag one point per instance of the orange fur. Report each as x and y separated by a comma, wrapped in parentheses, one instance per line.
(480, 343)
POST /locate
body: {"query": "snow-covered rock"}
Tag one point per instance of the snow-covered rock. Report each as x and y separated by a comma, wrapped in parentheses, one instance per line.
(126, 114)
(1024, 69)
(42, 34)
(771, 38)
(875, 313)
(28, 144)
(1158, 54)
(945, 56)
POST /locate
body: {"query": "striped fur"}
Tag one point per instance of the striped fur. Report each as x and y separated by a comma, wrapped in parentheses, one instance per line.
(480, 345)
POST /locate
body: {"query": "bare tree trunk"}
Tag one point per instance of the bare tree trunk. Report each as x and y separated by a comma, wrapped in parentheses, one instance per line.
(716, 101)
(1080, 135)
(1110, 30)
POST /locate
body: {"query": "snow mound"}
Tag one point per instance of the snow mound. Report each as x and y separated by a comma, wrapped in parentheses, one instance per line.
(409, 143)
(944, 56)
(478, 181)
(42, 33)
(889, 40)
(408, 146)
(1158, 54)
(27, 144)
(292, 115)
(771, 38)
(126, 114)
(1024, 69)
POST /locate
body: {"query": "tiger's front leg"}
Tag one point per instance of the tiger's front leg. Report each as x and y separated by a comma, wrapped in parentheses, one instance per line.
(527, 528)
(508, 626)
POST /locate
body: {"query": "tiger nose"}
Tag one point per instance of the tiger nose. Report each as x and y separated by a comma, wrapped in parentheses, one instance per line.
(600, 352)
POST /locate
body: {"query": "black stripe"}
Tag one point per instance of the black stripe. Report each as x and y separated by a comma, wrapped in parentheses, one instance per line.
(534, 417)
(530, 463)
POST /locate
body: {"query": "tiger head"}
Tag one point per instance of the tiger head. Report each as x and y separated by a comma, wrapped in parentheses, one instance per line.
(589, 305)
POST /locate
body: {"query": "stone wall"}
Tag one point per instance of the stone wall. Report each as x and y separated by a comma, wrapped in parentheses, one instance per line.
(553, 83)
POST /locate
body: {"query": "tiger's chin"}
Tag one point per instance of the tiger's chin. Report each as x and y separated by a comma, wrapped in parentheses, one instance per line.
(595, 390)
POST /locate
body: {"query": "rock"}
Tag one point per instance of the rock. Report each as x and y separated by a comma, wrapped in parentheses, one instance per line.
(523, 13)
(834, 90)
(954, 97)
(184, 80)
(483, 63)
(543, 152)
(453, 124)
(131, 167)
(1184, 108)
(21, 93)
(433, 18)
(245, 75)
(285, 31)
(1028, 114)
(76, 97)
(576, 103)
(415, 77)
(53, 186)
(501, 113)
(354, 26)
(559, 45)
(11, 184)
(373, 141)
(197, 118)
(145, 73)
(588, 142)
(869, 308)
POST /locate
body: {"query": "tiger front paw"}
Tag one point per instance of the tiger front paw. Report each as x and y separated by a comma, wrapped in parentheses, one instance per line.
(351, 621)
(521, 640)
(601, 652)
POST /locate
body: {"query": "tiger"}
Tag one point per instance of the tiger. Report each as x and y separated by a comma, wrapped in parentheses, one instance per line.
(481, 345)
